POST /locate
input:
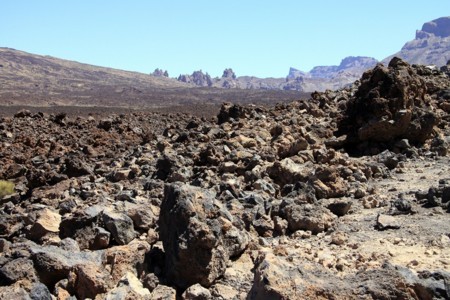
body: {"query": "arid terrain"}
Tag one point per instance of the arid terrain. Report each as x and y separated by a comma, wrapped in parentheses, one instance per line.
(37, 80)
(344, 195)
(42, 81)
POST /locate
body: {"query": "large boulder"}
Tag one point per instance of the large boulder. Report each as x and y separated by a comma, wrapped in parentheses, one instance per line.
(199, 235)
(390, 104)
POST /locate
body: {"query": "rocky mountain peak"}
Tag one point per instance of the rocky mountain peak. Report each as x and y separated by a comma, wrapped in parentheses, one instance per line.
(430, 47)
(295, 73)
(198, 78)
(439, 27)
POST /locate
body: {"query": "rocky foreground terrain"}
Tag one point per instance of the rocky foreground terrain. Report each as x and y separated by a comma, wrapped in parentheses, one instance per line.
(342, 196)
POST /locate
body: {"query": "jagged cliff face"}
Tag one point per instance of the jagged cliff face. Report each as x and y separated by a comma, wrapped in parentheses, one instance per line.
(431, 45)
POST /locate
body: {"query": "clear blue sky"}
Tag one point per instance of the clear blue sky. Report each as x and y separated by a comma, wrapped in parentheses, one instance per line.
(261, 38)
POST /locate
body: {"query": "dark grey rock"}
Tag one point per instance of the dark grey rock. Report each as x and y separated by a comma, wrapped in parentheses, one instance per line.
(199, 235)
(40, 292)
(120, 226)
(340, 208)
(20, 268)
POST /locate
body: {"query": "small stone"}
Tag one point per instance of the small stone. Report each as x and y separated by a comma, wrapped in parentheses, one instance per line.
(360, 193)
(4, 246)
(263, 242)
(119, 225)
(338, 238)
(385, 222)
(340, 208)
(88, 280)
(150, 281)
(413, 263)
(47, 222)
(101, 239)
(397, 241)
(163, 292)
(196, 292)
(280, 225)
(302, 234)
(20, 268)
(402, 205)
(129, 287)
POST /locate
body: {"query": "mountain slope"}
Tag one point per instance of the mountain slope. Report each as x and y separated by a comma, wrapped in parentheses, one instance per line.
(49, 80)
(35, 80)
(431, 45)
(321, 78)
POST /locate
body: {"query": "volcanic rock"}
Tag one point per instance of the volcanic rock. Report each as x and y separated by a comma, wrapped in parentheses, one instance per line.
(129, 287)
(198, 234)
(89, 280)
(164, 292)
(53, 264)
(46, 223)
(314, 218)
(196, 292)
(120, 226)
(20, 268)
(389, 105)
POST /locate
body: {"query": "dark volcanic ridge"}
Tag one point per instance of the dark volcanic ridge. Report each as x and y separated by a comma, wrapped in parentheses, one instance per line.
(342, 196)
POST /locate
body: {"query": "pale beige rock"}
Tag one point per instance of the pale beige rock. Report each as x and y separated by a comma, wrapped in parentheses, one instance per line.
(196, 292)
(47, 222)
(163, 292)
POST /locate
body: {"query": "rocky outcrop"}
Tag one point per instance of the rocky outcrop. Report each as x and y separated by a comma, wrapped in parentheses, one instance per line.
(228, 74)
(197, 78)
(390, 104)
(295, 73)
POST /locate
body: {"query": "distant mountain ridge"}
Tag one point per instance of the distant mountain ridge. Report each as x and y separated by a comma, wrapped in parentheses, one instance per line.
(431, 45)
(350, 65)
(319, 78)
